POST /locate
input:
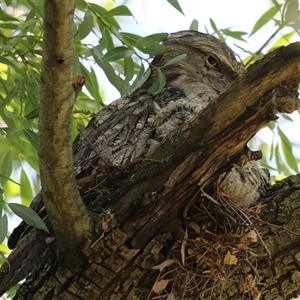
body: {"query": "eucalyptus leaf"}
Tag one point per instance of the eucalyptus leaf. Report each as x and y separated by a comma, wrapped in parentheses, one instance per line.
(118, 53)
(3, 227)
(32, 137)
(109, 71)
(6, 61)
(121, 10)
(86, 26)
(174, 60)
(264, 19)
(176, 5)
(194, 25)
(28, 215)
(129, 38)
(159, 84)
(287, 150)
(148, 40)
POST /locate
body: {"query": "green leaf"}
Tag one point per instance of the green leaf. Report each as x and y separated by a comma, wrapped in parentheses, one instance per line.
(276, 4)
(129, 38)
(121, 10)
(9, 26)
(2, 256)
(235, 34)
(86, 25)
(7, 178)
(153, 49)
(148, 40)
(174, 60)
(32, 114)
(264, 19)
(216, 30)
(109, 71)
(176, 5)
(194, 25)
(140, 78)
(6, 17)
(5, 61)
(128, 68)
(291, 12)
(287, 150)
(3, 227)
(283, 41)
(97, 9)
(32, 137)
(92, 85)
(118, 53)
(286, 117)
(25, 188)
(6, 167)
(158, 85)
(28, 215)
(27, 24)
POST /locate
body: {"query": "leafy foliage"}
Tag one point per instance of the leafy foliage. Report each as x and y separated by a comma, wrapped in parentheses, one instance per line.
(124, 58)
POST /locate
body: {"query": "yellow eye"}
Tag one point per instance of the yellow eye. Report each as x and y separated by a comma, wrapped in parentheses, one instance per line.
(212, 61)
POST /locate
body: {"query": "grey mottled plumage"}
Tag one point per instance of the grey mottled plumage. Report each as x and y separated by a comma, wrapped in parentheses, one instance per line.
(133, 127)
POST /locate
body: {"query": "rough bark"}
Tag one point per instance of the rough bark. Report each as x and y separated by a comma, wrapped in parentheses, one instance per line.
(144, 210)
(69, 217)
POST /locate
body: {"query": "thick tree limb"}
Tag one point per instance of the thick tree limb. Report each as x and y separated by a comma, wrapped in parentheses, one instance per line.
(211, 143)
(67, 213)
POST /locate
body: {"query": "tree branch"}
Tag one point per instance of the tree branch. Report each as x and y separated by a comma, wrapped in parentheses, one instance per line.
(68, 215)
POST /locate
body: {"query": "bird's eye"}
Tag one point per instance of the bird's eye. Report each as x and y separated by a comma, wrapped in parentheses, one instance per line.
(212, 61)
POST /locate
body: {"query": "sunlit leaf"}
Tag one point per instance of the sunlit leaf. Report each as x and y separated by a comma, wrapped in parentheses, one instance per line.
(176, 5)
(282, 41)
(3, 227)
(6, 167)
(28, 215)
(194, 25)
(6, 61)
(264, 19)
(7, 178)
(25, 188)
